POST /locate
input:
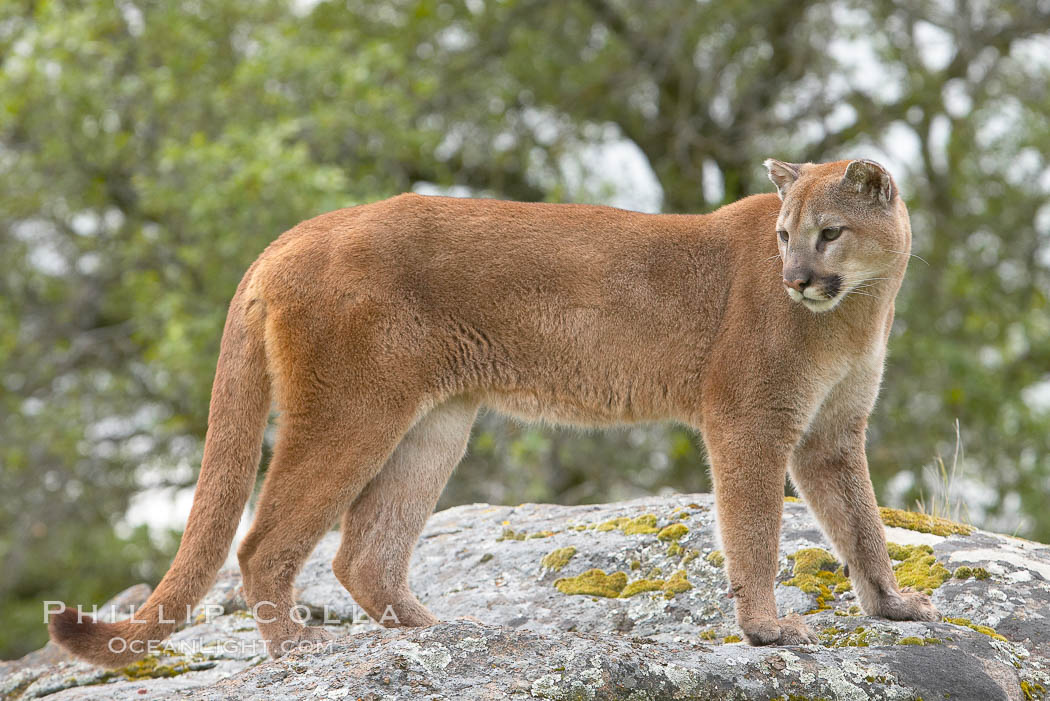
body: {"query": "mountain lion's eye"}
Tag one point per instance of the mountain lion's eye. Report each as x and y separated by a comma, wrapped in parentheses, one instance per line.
(831, 233)
(783, 235)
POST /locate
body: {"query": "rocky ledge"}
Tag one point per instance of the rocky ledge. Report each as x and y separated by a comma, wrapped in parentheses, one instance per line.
(607, 602)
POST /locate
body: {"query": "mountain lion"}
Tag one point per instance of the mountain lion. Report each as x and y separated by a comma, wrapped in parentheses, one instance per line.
(379, 331)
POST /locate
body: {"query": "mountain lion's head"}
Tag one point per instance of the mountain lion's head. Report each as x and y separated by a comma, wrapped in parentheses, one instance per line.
(842, 230)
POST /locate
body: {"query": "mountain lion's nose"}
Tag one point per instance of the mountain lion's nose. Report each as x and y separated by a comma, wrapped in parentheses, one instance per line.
(799, 284)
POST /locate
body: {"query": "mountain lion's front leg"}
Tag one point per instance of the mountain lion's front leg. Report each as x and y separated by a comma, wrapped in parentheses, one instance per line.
(748, 464)
(830, 470)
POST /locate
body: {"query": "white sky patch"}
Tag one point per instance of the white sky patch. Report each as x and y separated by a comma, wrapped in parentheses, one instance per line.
(897, 150)
(609, 169)
(620, 169)
(841, 117)
(940, 133)
(1033, 51)
(1037, 396)
(957, 100)
(163, 509)
(713, 182)
(133, 18)
(427, 188)
(935, 45)
(304, 7)
(861, 65)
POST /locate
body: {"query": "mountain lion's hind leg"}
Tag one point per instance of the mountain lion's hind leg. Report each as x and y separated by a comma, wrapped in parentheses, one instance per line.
(749, 473)
(380, 529)
(830, 470)
(320, 464)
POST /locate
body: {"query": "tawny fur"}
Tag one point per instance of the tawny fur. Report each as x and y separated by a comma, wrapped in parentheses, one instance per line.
(383, 328)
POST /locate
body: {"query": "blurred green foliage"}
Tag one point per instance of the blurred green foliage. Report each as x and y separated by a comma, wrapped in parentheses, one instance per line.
(150, 149)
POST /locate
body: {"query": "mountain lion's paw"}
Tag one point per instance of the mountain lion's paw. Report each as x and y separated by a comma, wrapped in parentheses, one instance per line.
(780, 631)
(908, 605)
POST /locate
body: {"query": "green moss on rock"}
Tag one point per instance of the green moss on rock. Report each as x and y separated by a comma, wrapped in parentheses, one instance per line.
(918, 568)
(674, 532)
(641, 585)
(612, 524)
(677, 583)
(853, 610)
(984, 630)
(816, 571)
(809, 563)
(965, 572)
(149, 667)
(837, 637)
(733, 639)
(556, 559)
(671, 587)
(922, 522)
(716, 558)
(1033, 691)
(910, 640)
(510, 534)
(593, 583)
(646, 523)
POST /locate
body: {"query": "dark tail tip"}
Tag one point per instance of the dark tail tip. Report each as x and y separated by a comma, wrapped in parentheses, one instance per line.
(91, 640)
(66, 629)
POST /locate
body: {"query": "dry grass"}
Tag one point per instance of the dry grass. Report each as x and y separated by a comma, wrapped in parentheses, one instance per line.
(945, 502)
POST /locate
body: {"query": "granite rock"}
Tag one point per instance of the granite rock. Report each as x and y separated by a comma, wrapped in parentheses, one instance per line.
(505, 581)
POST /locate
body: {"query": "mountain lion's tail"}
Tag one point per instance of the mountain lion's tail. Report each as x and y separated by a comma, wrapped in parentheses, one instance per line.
(240, 403)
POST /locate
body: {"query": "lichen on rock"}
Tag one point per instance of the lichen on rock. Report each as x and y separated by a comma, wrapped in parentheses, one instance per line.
(923, 523)
(639, 525)
(556, 559)
(151, 667)
(593, 582)
(674, 532)
(677, 583)
(615, 585)
(639, 586)
(816, 571)
(916, 640)
(966, 572)
(983, 630)
(834, 636)
(918, 568)
(1033, 691)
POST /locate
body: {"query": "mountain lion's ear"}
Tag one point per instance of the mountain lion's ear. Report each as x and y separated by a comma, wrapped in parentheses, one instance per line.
(782, 174)
(871, 179)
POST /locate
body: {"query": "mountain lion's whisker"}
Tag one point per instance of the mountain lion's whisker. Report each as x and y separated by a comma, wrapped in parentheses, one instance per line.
(905, 253)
